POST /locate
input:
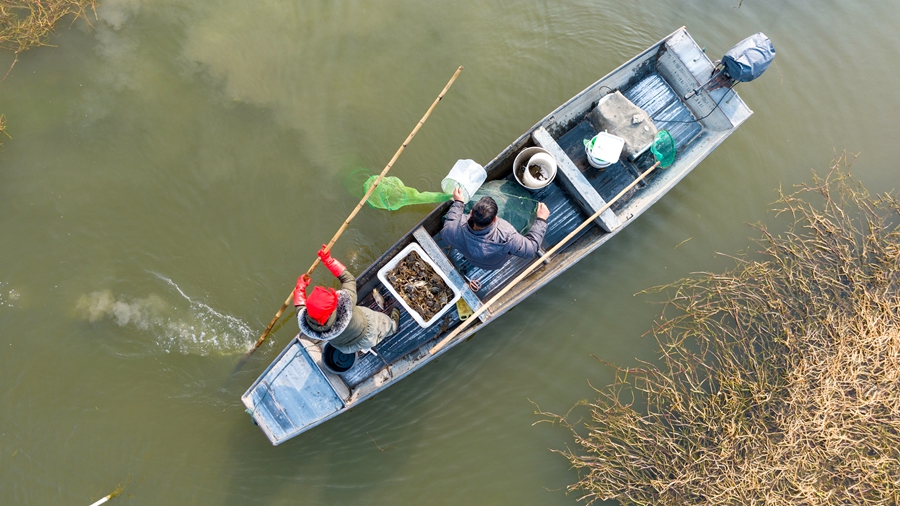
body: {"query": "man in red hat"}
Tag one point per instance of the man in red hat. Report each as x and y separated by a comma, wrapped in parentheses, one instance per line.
(333, 316)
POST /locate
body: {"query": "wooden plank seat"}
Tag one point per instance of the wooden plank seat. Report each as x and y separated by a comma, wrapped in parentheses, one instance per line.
(575, 183)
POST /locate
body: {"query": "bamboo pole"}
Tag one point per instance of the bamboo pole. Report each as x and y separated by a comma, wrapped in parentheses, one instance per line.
(355, 211)
(103, 501)
(115, 492)
(465, 324)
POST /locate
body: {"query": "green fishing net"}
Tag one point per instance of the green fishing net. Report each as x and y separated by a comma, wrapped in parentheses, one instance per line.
(392, 194)
(514, 203)
(663, 148)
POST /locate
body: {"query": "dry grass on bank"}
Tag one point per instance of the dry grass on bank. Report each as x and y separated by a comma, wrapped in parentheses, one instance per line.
(779, 380)
(25, 24)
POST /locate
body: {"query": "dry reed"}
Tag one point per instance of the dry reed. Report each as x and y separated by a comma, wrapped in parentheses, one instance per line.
(25, 24)
(778, 380)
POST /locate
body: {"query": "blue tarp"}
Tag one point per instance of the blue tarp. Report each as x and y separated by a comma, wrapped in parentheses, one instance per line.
(749, 58)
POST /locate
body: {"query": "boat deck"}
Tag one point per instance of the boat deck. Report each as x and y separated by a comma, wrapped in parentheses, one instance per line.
(653, 95)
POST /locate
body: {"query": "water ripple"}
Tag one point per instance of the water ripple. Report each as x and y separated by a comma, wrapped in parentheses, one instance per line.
(192, 329)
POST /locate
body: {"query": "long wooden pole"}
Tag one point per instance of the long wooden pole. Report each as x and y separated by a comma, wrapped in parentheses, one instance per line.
(355, 210)
(116, 492)
(465, 324)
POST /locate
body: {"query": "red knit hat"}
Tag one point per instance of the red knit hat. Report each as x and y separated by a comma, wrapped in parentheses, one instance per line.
(321, 303)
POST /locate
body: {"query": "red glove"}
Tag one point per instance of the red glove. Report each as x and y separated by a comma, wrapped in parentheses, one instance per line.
(333, 265)
(300, 290)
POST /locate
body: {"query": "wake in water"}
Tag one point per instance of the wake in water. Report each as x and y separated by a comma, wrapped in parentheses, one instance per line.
(182, 326)
(7, 295)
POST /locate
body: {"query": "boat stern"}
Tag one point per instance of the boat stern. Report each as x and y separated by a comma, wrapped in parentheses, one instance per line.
(292, 395)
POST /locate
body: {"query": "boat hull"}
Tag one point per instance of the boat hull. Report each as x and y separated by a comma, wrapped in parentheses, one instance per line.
(657, 80)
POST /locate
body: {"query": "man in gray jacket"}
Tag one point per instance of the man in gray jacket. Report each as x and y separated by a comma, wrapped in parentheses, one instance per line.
(486, 240)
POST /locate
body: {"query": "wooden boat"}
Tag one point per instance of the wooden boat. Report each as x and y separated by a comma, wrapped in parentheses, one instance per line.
(297, 392)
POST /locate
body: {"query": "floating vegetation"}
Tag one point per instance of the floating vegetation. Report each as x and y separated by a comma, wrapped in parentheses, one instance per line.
(422, 288)
(778, 380)
(25, 24)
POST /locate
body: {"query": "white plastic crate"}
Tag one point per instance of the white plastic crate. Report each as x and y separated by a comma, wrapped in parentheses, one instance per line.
(382, 276)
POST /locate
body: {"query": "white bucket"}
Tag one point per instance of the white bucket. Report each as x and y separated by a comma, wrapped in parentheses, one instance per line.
(465, 175)
(523, 161)
(603, 150)
(547, 165)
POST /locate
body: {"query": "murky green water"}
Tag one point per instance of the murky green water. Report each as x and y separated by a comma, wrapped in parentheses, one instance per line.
(175, 166)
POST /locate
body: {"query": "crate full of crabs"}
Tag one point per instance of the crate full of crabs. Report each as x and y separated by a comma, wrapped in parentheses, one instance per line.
(419, 285)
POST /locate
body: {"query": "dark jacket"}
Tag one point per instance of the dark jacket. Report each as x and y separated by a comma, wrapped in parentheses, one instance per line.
(345, 325)
(491, 247)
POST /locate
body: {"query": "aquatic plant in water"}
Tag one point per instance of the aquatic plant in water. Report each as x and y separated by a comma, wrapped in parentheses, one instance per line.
(778, 380)
(25, 24)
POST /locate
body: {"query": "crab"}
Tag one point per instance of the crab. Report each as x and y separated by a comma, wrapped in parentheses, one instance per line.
(421, 288)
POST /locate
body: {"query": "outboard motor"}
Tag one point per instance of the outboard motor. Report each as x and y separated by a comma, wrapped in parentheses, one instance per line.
(744, 62)
(749, 58)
